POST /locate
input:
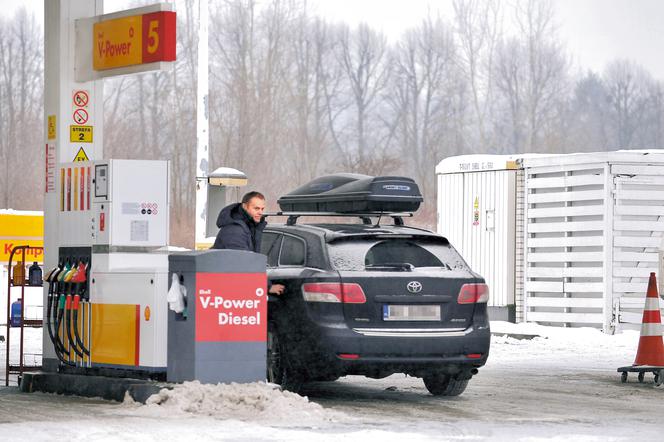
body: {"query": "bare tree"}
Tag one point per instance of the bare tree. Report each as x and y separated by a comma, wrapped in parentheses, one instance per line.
(360, 134)
(478, 29)
(652, 133)
(311, 74)
(532, 76)
(21, 109)
(628, 86)
(589, 113)
(424, 96)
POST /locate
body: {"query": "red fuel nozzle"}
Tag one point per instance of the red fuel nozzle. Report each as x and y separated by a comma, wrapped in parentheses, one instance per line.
(79, 276)
(68, 303)
(77, 299)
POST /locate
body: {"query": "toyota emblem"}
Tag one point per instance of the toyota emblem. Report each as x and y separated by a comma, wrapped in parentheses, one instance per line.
(414, 286)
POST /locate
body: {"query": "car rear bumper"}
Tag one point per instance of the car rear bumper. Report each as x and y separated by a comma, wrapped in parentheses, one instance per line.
(412, 351)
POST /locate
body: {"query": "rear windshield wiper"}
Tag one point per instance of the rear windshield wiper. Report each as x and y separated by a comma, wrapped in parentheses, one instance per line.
(392, 266)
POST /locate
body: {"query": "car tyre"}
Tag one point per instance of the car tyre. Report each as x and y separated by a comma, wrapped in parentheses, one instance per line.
(279, 368)
(444, 385)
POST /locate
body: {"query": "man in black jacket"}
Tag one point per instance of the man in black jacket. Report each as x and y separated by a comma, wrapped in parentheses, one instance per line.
(241, 228)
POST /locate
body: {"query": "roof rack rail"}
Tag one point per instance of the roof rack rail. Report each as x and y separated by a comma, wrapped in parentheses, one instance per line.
(364, 216)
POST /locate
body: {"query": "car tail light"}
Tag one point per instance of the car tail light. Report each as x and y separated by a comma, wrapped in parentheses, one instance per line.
(474, 356)
(348, 356)
(349, 293)
(353, 293)
(473, 294)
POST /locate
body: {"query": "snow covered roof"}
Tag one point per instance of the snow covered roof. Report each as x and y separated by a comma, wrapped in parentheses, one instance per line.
(228, 172)
(21, 212)
(227, 176)
(653, 156)
(481, 162)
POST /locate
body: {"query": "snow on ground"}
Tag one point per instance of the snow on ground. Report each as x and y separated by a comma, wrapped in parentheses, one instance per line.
(583, 346)
(560, 385)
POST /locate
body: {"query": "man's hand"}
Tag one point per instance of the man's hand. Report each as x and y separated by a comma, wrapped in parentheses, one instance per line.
(276, 289)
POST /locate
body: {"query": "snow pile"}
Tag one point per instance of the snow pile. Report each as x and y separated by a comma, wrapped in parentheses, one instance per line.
(557, 343)
(256, 401)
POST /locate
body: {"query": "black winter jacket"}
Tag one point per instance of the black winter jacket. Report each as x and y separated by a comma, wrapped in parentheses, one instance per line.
(237, 230)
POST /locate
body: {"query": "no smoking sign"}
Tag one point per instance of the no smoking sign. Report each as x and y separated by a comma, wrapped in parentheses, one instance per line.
(80, 116)
(80, 105)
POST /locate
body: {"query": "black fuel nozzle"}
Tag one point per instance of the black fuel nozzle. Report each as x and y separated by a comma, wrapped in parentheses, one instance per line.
(79, 341)
(59, 300)
(51, 306)
(69, 324)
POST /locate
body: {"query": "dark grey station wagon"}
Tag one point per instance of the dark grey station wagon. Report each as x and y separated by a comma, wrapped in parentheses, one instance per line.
(373, 300)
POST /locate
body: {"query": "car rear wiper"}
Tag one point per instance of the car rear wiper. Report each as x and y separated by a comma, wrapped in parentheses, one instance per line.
(391, 266)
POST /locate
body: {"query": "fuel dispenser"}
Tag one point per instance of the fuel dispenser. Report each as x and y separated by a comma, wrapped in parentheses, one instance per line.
(220, 335)
(106, 298)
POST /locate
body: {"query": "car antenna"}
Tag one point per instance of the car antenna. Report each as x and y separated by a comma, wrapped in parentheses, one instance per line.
(380, 215)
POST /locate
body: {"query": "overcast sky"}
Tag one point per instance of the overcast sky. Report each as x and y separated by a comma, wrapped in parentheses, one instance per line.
(595, 31)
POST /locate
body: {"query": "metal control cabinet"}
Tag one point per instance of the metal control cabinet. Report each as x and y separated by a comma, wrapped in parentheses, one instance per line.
(476, 212)
(114, 203)
(221, 336)
(130, 203)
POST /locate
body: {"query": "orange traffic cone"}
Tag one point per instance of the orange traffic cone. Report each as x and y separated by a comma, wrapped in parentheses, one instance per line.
(651, 347)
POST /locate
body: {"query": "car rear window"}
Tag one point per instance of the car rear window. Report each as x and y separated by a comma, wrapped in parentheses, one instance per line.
(393, 254)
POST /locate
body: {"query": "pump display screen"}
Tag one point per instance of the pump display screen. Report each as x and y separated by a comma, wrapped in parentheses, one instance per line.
(101, 180)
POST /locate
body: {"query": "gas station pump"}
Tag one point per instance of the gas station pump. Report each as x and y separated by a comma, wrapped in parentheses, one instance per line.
(106, 297)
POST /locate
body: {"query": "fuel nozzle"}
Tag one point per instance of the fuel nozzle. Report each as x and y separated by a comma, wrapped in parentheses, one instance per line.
(65, 270)
(79, 278)
(70, 273)
(52, 274)
(52, 307)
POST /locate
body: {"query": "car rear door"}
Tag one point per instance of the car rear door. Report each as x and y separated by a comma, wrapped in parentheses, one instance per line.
(406, 282)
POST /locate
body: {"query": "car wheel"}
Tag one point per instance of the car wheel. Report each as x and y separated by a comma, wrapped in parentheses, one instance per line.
(279, 369)
(444, 385)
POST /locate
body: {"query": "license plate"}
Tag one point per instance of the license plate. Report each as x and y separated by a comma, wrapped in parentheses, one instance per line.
(411, 312)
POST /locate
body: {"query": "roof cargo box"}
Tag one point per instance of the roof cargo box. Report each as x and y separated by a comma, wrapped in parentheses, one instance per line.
(354, 193)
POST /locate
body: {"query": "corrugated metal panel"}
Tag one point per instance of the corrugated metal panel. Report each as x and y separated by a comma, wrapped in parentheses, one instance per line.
(564, 249)
(476, 213)
(450, 208)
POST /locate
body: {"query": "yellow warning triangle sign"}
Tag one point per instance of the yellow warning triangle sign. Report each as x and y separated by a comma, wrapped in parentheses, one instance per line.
(81, 155)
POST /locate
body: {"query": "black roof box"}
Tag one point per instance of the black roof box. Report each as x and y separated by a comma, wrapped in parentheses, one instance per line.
(354, 193)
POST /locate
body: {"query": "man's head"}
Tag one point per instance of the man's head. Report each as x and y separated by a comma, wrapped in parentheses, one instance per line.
(254, 204)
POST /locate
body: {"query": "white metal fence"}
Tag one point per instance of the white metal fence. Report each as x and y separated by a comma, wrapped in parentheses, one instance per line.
(567, 228)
